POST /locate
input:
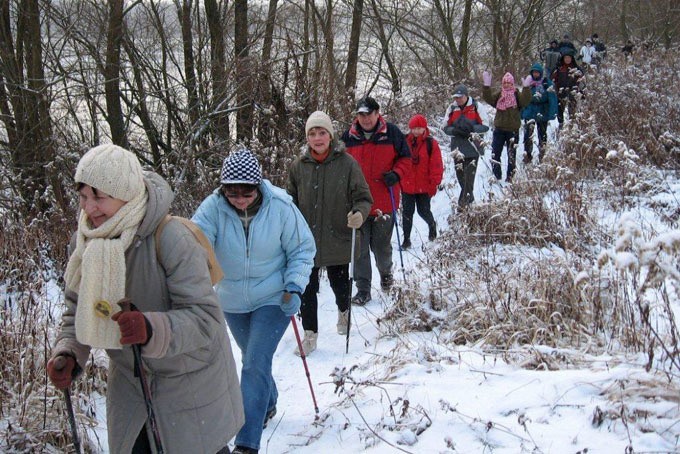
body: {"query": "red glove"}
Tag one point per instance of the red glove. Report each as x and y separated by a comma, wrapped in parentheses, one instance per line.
(134, 327)
(60, 370)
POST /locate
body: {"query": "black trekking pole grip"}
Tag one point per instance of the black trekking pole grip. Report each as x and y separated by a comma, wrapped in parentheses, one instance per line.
(125, 306)
(60, 363)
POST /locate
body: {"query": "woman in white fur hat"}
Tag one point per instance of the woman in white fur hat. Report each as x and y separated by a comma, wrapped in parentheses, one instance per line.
(177, 324)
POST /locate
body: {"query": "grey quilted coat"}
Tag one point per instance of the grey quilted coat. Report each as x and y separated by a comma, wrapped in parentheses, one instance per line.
(188, 361)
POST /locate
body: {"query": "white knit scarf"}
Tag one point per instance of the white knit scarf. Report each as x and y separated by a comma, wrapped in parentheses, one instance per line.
(96, 271)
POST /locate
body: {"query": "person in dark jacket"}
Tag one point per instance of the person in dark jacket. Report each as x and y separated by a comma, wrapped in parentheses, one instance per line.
(551, 55)
(330, 190)
(508, 102)
(462, 121)
(566, 78)
(541, 109)
(420, 184)
(384, 158)
(176, 325)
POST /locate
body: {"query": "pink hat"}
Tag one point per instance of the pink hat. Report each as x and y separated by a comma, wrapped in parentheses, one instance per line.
(417, 121)
(507, 77)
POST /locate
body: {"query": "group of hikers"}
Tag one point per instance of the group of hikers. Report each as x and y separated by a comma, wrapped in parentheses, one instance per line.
(339, 205)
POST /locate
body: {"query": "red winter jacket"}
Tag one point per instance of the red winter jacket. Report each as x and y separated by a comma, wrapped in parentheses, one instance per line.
(427, 168)
(386, 150)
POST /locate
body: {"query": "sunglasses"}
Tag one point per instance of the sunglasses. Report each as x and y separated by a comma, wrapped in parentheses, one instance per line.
(236, 194)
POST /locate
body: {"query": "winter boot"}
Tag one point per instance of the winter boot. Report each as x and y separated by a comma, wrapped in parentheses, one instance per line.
(433, 232)
(406, 244)
(361, 298)
(269, 416)
(243, 450)
(386, 282)
(308, 343)
(343, 321)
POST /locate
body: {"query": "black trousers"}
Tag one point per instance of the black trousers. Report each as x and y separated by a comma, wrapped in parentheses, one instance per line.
(465, 173)
(338, 275)
(542, 128)
(409, 203)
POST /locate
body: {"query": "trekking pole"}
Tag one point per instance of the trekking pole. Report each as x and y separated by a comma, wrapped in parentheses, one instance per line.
(125, 304)
(59, 364)
(304, 362)
(351, 279)
(396, 227)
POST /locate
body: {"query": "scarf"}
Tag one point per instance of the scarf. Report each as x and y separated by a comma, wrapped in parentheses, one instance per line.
(507, 99)
(96, 271)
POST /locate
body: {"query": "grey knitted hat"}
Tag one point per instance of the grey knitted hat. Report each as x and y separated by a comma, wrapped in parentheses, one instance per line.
(241, 167)
(112, 170)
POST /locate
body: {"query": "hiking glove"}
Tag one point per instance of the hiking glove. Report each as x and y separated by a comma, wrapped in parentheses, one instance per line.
(390, 178)
(354, 220)
(526, 82)
(486, 78)
(134, 327)
(60, 370)
(290, 303)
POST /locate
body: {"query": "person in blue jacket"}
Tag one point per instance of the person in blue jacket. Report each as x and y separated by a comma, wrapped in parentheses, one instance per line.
(267, 251)
(541, 109)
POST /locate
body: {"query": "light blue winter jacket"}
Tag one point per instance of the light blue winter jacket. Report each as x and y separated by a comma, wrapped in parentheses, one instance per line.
(279, 253)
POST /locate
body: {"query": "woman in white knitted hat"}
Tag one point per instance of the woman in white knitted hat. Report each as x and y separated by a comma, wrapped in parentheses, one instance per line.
(266, 249)
(177, 325)
(330, 190)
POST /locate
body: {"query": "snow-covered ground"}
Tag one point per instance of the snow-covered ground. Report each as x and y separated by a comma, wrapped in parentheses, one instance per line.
(410, 393)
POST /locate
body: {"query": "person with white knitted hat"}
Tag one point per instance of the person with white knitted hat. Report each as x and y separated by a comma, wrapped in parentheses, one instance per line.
(176, 321)
(330, 190)
(267, 251)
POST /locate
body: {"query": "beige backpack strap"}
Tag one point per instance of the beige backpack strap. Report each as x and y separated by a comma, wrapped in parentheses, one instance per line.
(216, 273)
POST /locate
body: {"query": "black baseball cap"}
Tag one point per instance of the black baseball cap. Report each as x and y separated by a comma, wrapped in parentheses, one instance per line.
(367, 105)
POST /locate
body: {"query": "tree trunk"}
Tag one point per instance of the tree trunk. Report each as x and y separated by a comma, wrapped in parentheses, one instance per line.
(353, 52)
(244, 76)
(114, 108)
(218, 71)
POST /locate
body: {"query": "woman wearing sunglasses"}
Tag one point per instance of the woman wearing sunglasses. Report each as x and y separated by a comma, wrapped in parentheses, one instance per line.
(267, 252)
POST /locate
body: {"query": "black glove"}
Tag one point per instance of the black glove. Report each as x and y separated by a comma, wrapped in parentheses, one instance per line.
(390, 178)
(463, 128)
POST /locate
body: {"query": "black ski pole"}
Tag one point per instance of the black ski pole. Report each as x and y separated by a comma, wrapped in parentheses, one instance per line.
(59, 364)
(304, 363)
(351, 280)
(396, 227)
(139, 371)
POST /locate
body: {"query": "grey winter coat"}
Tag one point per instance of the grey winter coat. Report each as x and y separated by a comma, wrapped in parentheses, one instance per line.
(325, 192)
(188, 360)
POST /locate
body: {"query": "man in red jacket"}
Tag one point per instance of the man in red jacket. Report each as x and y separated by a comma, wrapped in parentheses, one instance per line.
(384, 158)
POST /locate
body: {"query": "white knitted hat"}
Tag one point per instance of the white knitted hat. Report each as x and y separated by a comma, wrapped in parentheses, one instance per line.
(112, 170)
(319, 119)
(241, 167)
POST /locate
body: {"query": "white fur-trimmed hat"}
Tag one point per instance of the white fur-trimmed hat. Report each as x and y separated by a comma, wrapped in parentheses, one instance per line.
(319, 119)
(241, 167)
(112, 170)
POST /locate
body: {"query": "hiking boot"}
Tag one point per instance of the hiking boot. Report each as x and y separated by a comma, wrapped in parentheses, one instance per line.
(361, 298)
(386, 282)
(269, 416)
(308, 343)
(243, 450)
(432, 235)
(406, 244)
(343, 322)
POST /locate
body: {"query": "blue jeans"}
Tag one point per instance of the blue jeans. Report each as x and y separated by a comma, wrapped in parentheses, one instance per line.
(257, 334)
